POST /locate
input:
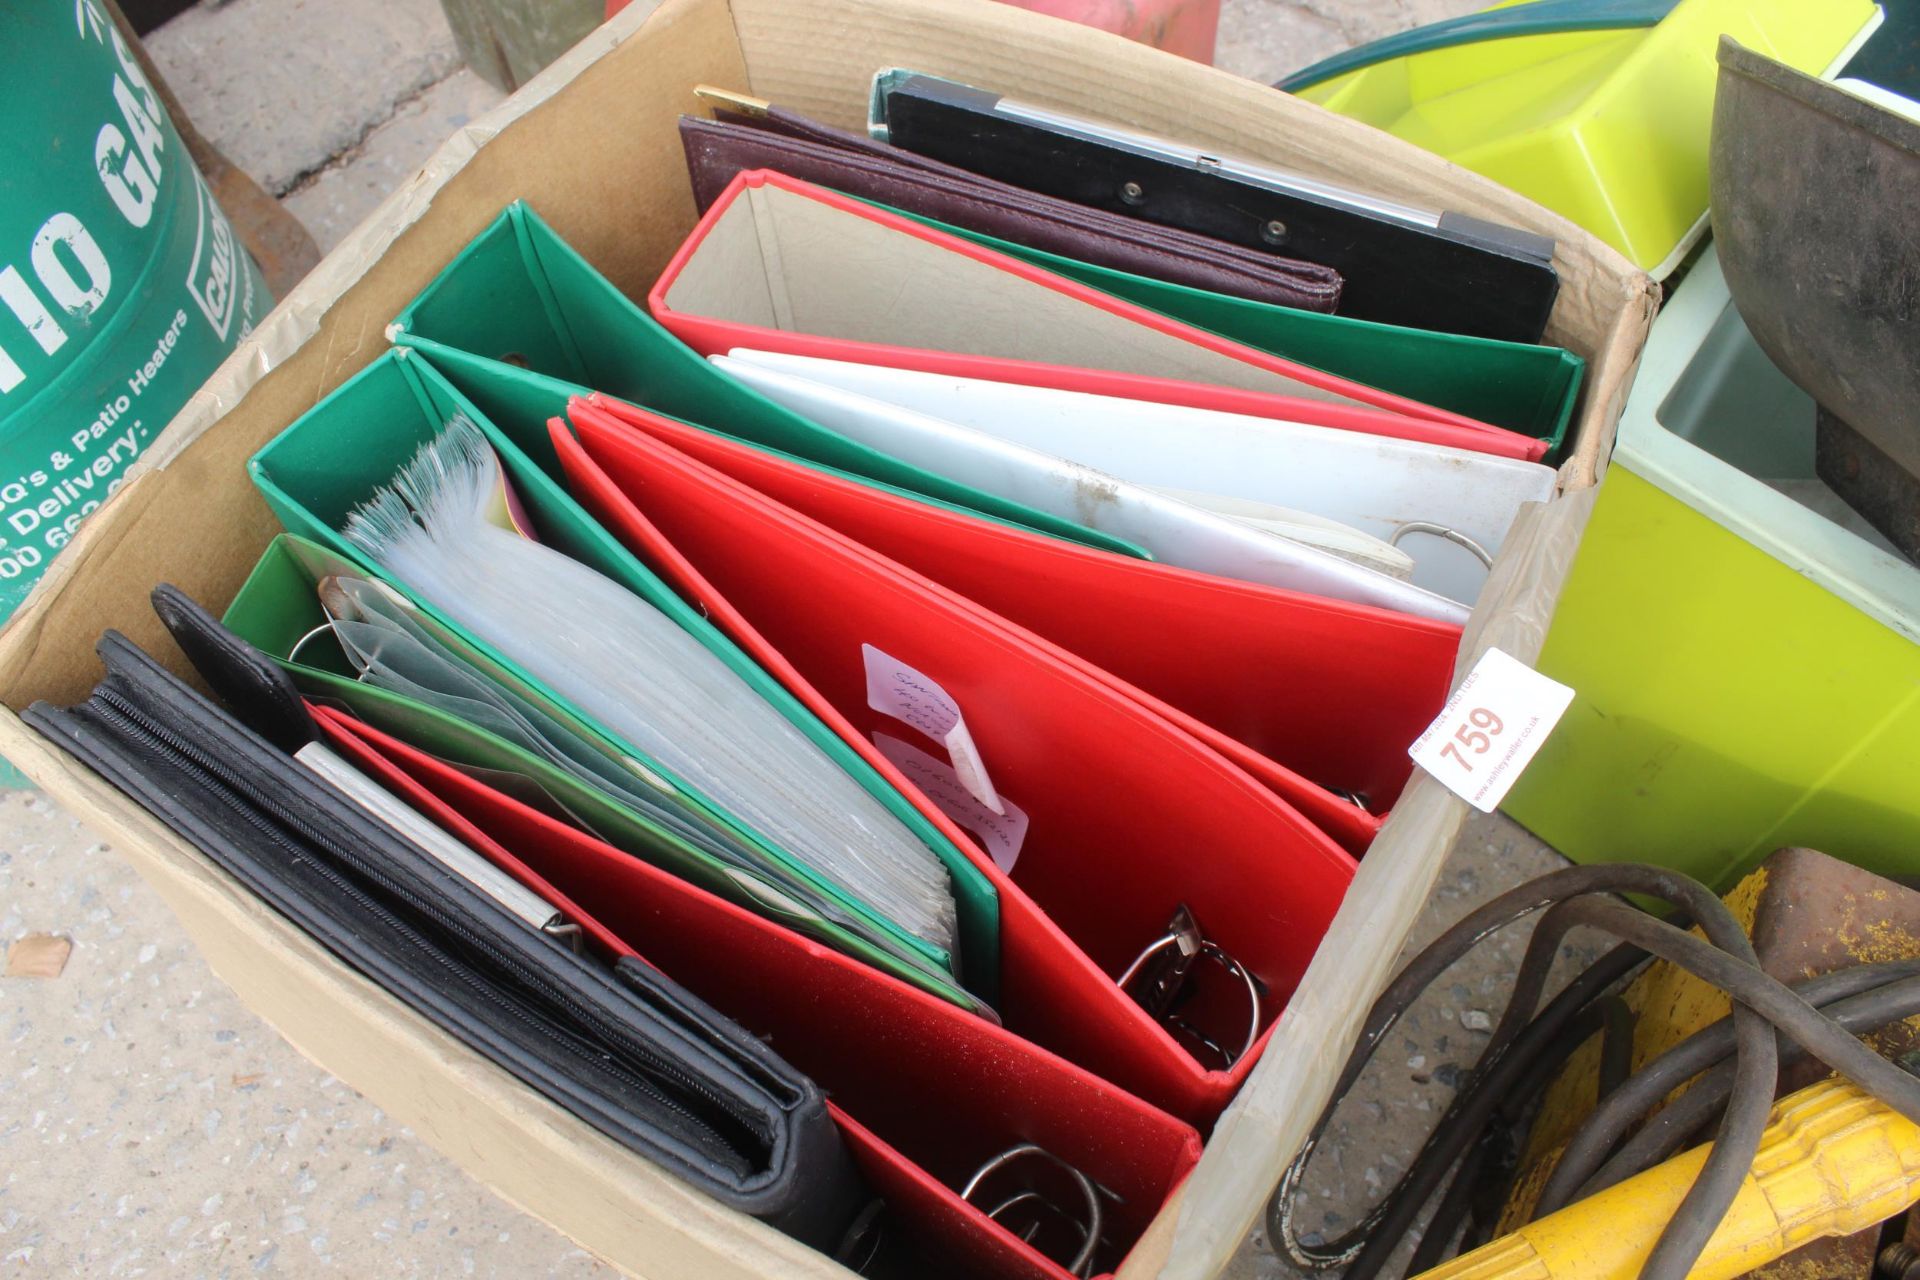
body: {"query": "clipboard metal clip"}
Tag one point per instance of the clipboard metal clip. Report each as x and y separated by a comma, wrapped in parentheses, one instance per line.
(732, 100)
(1029, 1205)
(1162, 977)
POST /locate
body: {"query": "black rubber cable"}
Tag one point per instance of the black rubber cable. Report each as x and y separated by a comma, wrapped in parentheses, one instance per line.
(1741, 1129)
(1419, 973)
(1511, 1101)
(1616, 1047)
(1672, 1129)
(1609, 969)
(1669, 1131)
(1753, 991)
(1370, 1239)
(1769, 997)
(1624, 1107)
(1756, 1070)
(1452, 1210)
(1472, 1108)
(1858, 1012)
(1686, 1233)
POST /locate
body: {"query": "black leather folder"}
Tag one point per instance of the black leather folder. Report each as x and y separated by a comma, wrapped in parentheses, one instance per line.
(1441, 271)
(620, 1045)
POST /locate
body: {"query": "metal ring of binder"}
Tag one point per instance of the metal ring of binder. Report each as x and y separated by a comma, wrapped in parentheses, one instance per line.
(1090, 1228)
(1454, 536)
(293, 654)
(1211, 951)
(1206, 1041)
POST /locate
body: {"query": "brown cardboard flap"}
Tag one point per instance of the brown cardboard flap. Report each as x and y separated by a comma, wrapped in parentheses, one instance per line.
(1256, 1138)
(817, 57)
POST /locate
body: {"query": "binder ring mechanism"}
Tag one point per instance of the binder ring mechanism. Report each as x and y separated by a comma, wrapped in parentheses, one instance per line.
(360, 668)
(1164, 974)
(1033, 1187)
(1026, 1209)
(1452, 535)
(293, 654)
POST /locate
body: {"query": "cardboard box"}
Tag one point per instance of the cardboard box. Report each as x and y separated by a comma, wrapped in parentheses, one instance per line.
(591, 142)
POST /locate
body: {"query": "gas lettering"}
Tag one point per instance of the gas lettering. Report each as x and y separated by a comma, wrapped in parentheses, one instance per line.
(66, 260)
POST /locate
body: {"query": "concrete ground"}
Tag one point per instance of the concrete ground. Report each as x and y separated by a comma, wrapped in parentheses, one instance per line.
(150, 1125)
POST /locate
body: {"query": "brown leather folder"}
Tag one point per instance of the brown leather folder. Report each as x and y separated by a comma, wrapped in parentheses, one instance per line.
(772, 138)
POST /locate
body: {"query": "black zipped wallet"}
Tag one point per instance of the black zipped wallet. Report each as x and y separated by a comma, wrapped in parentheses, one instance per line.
(621, 1046)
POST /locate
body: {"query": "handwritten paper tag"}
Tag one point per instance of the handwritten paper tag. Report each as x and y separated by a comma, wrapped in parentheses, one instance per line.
(897, 690)
(1001, 833)
(1491, 728)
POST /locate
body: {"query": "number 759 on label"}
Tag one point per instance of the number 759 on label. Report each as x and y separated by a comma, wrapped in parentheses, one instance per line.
(1490, 729)
(1469, 735)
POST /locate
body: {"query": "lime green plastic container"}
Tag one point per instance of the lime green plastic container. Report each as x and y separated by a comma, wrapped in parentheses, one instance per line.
(1608, 127)
(1745, 650)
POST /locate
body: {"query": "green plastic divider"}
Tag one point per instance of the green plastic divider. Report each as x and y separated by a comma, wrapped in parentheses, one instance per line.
(339, 452)
(520, 295)
(278, 609)
(1524, 388)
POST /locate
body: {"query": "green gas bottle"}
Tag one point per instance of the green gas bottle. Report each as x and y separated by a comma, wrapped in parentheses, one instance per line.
(122, 284)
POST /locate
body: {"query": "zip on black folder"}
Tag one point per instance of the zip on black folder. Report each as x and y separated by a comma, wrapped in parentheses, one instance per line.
(619, 1044)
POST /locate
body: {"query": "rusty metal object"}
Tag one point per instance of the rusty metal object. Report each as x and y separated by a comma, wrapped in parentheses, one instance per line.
(278, 241)
(1818, 915)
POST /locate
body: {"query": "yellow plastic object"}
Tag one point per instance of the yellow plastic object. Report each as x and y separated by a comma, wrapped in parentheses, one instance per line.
(1746, 658)
(1834, 1161)
(1609, 128)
